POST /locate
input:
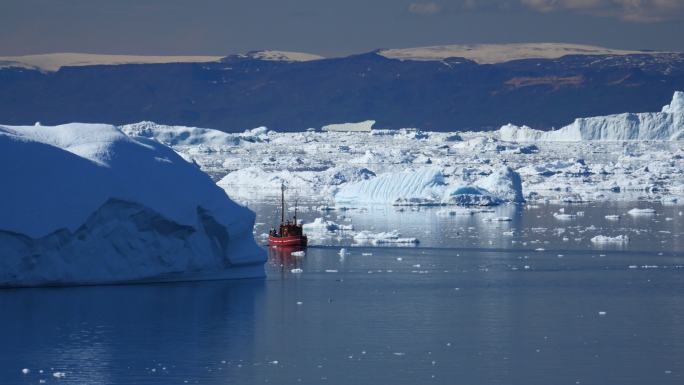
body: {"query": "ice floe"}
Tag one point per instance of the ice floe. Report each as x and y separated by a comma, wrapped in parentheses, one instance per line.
(392, 237)
(322, 225)
(638, 211)
(619, 239)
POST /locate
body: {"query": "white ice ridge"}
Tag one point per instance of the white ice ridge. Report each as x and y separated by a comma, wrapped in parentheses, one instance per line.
(665, 125)
(428, 186)
(193, 136)
(85, 204)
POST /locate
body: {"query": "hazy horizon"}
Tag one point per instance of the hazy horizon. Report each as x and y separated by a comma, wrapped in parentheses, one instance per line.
(180, 54)
(328, 28)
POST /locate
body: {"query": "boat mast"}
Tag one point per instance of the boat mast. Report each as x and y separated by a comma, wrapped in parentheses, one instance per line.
(282, 203)
(295, 215)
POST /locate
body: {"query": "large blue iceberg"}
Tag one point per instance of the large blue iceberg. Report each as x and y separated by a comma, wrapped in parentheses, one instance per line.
(87, 204)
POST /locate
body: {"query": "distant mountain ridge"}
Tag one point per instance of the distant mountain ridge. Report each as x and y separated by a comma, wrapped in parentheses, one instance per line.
(289, 91)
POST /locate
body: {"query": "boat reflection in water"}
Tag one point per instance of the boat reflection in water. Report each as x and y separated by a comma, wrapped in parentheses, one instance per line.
(282, 257)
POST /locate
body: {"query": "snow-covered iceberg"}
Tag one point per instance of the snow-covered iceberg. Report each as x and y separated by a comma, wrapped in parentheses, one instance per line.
(425, 185)
(665, 125)
(503, 183)
(86, 204)
(429, 186)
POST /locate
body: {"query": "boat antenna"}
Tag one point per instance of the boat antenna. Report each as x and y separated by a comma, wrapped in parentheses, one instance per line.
(282, 203)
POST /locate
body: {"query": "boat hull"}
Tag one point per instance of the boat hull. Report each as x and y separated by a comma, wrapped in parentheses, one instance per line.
(296, 240)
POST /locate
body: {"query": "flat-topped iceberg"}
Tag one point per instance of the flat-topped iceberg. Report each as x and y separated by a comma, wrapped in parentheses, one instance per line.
(87, 204)
(665, 125)
(364, 126)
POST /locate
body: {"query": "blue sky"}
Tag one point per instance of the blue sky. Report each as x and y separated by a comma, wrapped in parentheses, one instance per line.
(326, 27)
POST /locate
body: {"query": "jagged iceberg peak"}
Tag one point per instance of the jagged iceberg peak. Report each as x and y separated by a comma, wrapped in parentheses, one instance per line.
(665, 125)
(78, 195)
(676, 106)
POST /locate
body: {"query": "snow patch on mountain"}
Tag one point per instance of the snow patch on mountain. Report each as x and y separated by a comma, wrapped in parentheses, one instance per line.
(274, 55)
(54, 61)
(500, 53)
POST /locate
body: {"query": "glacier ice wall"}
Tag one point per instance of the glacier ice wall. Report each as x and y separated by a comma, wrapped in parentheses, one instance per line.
(85, 203)
(665, 125)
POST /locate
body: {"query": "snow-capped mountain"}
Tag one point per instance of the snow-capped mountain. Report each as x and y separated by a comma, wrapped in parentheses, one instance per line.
(432, 88)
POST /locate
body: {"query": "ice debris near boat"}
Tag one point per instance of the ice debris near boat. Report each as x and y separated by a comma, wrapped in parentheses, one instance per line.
(639, 212)
(391, 237)
(498, 219)
(668, 124)
(564, 216)
(619, 239)
(429, 186)
(320, 225)
(87, 204)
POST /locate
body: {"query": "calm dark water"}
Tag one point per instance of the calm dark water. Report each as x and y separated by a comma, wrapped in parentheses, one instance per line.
(466, 306)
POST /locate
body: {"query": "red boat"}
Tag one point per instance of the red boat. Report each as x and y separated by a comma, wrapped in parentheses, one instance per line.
(290, 233)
